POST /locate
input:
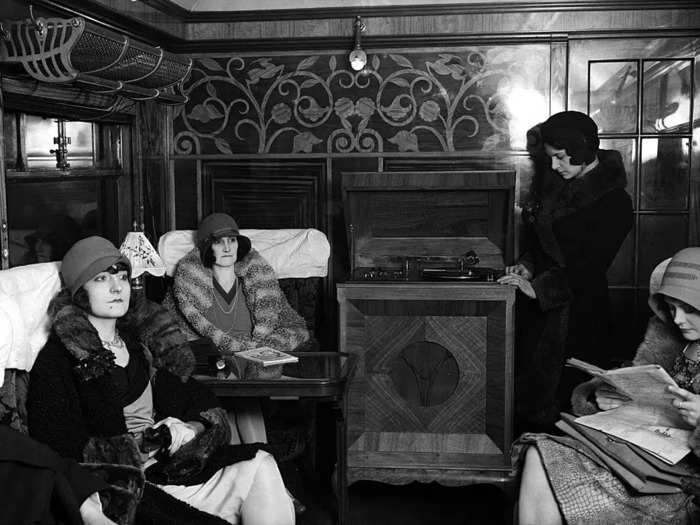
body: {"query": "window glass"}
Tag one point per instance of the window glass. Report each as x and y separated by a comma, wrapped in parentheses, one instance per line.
(612, 91)
(41, 134)
(666, 96)
(665, 170)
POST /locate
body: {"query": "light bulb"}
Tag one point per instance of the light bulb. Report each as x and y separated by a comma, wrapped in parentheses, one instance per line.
(358, 59)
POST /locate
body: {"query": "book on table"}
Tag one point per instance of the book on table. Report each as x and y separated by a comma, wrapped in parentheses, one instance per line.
(267, 356)
(647, 419)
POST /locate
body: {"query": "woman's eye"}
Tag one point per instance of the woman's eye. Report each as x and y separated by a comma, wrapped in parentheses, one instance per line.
(124, 277)
(99, 278)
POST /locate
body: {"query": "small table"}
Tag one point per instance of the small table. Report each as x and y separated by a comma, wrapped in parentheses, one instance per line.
(322, 376)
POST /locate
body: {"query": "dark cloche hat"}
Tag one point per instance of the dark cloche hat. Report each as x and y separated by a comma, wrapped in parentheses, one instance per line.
(219, 225)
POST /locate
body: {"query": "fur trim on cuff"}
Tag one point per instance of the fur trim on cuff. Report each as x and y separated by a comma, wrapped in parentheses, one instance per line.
(583, 398)
(121, 449)
(552, 289)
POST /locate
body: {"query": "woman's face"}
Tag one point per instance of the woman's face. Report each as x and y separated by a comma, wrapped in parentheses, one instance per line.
(686, 317)
(109, 294)
(561, 163)
(225, 250)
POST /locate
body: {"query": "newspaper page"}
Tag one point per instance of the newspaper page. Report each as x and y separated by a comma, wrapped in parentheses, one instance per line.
(648, 420)
(637, 425)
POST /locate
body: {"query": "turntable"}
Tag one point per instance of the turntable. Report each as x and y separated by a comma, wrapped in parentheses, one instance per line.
(474, 275)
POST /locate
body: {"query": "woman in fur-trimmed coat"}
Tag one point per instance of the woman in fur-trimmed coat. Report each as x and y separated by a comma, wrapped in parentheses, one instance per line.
(561, 484)
(577, 219)
(227, 292)
(113, 370)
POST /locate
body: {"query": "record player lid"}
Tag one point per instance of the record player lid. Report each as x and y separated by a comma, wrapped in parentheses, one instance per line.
(435, 216)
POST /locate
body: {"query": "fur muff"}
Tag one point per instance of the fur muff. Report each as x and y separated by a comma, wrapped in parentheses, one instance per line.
(191, 463)
(275, 323)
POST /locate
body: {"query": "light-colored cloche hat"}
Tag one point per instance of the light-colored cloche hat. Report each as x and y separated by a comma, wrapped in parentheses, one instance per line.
(677, 277)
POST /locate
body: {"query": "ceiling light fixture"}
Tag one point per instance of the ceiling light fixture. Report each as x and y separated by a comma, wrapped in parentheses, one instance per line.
(358, 58)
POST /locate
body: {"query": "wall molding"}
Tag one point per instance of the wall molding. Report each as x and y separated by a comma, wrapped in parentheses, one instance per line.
(95, 11)
(427, 9)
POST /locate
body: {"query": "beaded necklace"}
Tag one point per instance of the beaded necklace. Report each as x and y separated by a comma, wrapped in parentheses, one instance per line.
(222, 312)
(118, 348)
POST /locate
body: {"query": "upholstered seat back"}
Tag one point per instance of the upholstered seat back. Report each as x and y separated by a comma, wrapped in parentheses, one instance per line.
(298, 256)
(292, 253)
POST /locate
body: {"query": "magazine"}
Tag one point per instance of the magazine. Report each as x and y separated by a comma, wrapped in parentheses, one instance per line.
(648, 419)
(267, 356)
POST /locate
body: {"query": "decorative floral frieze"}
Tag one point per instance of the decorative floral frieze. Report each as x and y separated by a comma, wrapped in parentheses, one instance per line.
(457, 100)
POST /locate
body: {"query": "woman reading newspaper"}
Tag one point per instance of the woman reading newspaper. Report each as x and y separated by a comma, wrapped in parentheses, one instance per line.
(561, 484)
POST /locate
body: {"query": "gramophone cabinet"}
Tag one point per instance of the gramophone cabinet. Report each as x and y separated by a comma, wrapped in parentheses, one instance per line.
(432, 394)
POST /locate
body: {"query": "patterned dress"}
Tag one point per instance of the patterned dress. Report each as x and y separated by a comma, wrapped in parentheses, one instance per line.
(588, 493)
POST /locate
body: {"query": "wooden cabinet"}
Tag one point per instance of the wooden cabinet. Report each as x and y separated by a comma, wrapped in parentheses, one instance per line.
(432, 395)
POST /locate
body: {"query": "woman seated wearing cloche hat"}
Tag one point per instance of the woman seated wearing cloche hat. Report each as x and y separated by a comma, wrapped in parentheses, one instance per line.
(225, 291)
(562, 484)
(115, 375)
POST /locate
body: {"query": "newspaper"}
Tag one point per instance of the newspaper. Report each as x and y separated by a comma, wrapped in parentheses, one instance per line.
(648, 419)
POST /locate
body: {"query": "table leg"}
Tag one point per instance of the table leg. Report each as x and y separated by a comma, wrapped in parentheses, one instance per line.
(341, 461)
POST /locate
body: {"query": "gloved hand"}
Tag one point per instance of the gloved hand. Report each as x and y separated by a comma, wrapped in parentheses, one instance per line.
(180, 432)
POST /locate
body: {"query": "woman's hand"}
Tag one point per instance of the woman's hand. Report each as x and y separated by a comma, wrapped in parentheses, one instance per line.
(523, 284)
(521, 270)
(180, 432)
(608, 397)
(687, 403)
(91, 511)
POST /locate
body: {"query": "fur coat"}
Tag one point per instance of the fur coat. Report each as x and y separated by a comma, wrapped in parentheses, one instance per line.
(275, 323)
(72, 408)
(574, 229)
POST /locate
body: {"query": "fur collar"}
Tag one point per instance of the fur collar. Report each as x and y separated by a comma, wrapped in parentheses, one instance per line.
(553, 197)
(146, 323)
(275, 323)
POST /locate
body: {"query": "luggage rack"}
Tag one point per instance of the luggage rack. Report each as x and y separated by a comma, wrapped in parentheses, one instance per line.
(74, 51)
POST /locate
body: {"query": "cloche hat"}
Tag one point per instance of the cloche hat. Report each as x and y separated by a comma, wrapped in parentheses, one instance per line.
(86, 258)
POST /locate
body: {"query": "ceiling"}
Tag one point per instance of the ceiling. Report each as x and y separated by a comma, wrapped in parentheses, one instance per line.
(264, 5)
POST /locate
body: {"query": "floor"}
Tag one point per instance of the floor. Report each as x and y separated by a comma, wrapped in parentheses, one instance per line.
(373, 503)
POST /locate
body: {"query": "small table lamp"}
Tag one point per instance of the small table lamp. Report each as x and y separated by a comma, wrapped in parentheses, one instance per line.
(143, 258)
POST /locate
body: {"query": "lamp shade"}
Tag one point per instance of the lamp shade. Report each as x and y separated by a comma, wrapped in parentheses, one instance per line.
(142, 255)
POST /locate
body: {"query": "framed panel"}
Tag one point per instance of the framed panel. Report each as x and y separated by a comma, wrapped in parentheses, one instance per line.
(612, 95)
(433, 383)
(186, 194)
(666, 93)
(267, 194)
(665, 173)
(660, 236)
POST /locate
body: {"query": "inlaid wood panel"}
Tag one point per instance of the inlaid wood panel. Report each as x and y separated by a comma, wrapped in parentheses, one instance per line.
(480, 98)
(433, 385)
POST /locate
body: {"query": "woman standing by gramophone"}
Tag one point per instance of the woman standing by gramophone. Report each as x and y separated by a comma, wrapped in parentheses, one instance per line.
(577, 218)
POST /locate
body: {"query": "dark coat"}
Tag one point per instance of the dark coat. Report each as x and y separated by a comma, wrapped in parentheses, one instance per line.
(38, 486)
(71, 404)
(576, 228)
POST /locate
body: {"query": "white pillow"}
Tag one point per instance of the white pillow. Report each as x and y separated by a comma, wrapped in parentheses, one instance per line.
(13, 334)
(290, 252)
(25, 293)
